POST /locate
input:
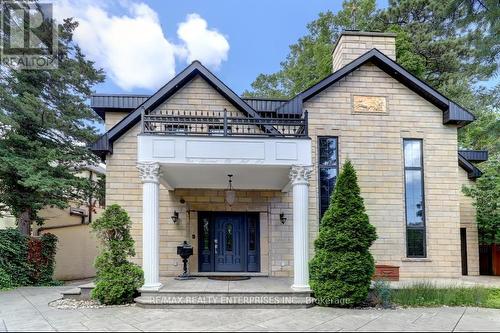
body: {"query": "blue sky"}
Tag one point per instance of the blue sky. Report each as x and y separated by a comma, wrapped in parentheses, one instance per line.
(258, 34)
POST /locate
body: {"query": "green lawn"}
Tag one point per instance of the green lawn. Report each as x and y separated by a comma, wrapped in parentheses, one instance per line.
(427, 294)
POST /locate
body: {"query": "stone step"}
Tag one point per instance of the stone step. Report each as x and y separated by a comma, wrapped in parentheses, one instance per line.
(81, 292)
(169, 299)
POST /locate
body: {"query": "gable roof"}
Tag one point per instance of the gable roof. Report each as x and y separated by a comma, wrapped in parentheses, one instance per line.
(104, 144)
(452, 112)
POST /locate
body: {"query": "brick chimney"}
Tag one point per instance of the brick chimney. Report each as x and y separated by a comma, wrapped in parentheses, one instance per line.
(352, 44)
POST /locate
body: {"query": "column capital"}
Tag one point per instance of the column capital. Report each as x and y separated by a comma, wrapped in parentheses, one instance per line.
(299, 174)
(149, 172)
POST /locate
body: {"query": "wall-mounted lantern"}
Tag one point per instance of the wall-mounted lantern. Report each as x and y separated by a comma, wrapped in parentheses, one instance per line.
(282, 218)
(175, 217)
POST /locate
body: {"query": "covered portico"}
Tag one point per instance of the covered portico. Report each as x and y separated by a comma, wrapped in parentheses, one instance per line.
(203, 162)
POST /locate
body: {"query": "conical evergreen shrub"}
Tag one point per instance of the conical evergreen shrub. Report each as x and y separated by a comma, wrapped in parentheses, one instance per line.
(342, 267)
(117, 279)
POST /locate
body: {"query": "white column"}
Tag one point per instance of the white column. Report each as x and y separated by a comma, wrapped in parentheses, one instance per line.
(299, 176)
(150, 176)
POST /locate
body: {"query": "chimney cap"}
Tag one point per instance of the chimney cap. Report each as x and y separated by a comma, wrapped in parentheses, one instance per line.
(353, 32)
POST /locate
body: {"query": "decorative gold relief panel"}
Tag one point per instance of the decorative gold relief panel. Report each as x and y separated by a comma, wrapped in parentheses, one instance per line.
(369, 104)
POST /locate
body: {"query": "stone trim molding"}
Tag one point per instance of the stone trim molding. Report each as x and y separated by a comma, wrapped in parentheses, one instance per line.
(300, 174)
(149, 172)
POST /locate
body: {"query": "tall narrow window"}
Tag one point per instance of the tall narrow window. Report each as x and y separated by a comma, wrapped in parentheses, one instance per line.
(327, 170)
(414, 199)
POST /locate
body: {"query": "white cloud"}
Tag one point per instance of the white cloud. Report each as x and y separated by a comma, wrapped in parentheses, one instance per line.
(203, 44)
(133, 49)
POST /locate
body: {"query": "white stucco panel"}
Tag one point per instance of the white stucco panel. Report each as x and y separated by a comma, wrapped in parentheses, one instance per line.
(223, 150)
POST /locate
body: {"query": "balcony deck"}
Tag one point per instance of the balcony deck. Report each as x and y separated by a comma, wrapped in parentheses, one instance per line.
(222, 123)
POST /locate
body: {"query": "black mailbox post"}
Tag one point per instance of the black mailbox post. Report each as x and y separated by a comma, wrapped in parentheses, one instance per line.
(184, 251)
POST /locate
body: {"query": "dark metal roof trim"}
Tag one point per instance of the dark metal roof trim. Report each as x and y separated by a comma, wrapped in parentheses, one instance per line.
(475, 156)
(101, 147)
(453, 113)
(472, 171)
(265, 104)
(102, 103)
(457, 115)
(117, 101)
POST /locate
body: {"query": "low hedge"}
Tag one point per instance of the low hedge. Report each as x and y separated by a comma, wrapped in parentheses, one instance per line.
(14, 257)
(26, 260)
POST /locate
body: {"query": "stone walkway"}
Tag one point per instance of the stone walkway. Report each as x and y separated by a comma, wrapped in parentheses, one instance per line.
(26, 309)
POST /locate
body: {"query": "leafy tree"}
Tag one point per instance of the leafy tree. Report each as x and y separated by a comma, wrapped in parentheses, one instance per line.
(440, 41)
(482, 133)
(45, 125)
(486, 196)
(443, 36)
(342, 266)
(310, 58)
(117, 279)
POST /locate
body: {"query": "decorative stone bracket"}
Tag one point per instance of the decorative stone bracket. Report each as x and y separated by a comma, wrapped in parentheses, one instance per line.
(149, 172)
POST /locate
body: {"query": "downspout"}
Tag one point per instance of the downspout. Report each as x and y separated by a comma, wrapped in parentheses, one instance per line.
(90, 200)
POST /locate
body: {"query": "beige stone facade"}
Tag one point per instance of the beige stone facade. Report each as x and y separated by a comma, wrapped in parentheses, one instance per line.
(124, 187)
(112, 118)
(373, 141)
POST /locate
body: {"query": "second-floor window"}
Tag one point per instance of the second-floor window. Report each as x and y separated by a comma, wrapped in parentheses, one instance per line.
(327, 170)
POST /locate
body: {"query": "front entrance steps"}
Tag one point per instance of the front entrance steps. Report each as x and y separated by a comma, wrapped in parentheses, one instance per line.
(81, 292)
(257, 292)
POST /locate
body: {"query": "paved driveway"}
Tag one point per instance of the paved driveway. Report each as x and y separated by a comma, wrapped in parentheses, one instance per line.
(26, 309)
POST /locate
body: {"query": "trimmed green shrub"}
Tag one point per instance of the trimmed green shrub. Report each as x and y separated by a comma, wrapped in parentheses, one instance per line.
(118, 285)
(117, 279)
(342, 267)
(13, 256)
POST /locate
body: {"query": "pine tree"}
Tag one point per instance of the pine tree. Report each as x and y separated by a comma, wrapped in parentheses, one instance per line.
(342, 267)
(45, 125)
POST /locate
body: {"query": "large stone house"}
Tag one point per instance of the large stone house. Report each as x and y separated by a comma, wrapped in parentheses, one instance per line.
(169, 157)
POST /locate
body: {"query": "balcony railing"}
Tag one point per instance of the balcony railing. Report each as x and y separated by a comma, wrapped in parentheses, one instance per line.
(223, 123)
